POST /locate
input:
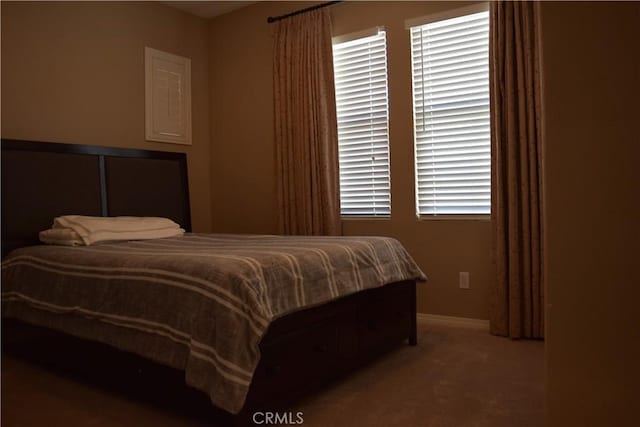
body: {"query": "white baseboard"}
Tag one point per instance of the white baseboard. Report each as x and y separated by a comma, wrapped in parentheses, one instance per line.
(454, 321)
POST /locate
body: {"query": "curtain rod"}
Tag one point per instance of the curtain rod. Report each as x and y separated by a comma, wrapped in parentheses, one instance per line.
(273, 19)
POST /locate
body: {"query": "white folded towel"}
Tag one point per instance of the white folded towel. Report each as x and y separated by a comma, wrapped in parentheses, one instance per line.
(60, 236)
(91, 229)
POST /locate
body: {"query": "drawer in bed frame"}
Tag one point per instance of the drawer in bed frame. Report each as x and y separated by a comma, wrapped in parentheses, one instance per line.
(321, 343)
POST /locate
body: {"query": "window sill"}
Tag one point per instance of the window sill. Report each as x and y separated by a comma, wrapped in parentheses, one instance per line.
(365, 218)
(455, 217)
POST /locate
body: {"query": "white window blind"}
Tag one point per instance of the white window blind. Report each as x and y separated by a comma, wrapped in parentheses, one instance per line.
(360, 68)
(450, 61)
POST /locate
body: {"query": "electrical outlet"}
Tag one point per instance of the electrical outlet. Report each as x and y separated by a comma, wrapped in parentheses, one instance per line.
(464, 280)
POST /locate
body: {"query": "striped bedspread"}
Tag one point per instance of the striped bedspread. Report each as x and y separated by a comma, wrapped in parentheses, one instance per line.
(198, 302)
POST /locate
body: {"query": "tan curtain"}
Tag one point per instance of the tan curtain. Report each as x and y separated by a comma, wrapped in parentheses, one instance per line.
(518, 300)
(305, 125)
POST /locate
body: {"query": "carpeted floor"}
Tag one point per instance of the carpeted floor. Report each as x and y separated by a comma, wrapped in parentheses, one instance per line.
(457, 376)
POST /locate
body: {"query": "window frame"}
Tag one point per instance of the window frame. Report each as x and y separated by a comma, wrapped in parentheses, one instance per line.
(344, 38)
(423, 20)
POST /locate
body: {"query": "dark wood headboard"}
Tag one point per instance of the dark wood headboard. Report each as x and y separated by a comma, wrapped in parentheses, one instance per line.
(42, 180)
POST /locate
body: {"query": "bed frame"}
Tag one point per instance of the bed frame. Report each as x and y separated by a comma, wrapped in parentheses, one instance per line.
(41, 180)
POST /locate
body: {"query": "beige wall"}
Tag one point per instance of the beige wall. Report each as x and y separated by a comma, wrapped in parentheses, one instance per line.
(74, 72)
(242, 150)
(591, 74)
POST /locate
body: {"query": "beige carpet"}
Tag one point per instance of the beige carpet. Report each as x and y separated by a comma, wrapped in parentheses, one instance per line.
(455, 377)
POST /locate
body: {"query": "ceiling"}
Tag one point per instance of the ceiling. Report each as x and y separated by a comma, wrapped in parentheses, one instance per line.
(208, 9)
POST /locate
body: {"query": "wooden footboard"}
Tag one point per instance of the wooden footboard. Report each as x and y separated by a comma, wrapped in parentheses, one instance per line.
(312, 346)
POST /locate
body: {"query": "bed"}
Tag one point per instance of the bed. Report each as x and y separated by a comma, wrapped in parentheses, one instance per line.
(266, 344)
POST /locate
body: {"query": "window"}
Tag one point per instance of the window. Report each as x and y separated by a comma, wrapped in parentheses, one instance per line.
(360, 67)
(450, 62)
